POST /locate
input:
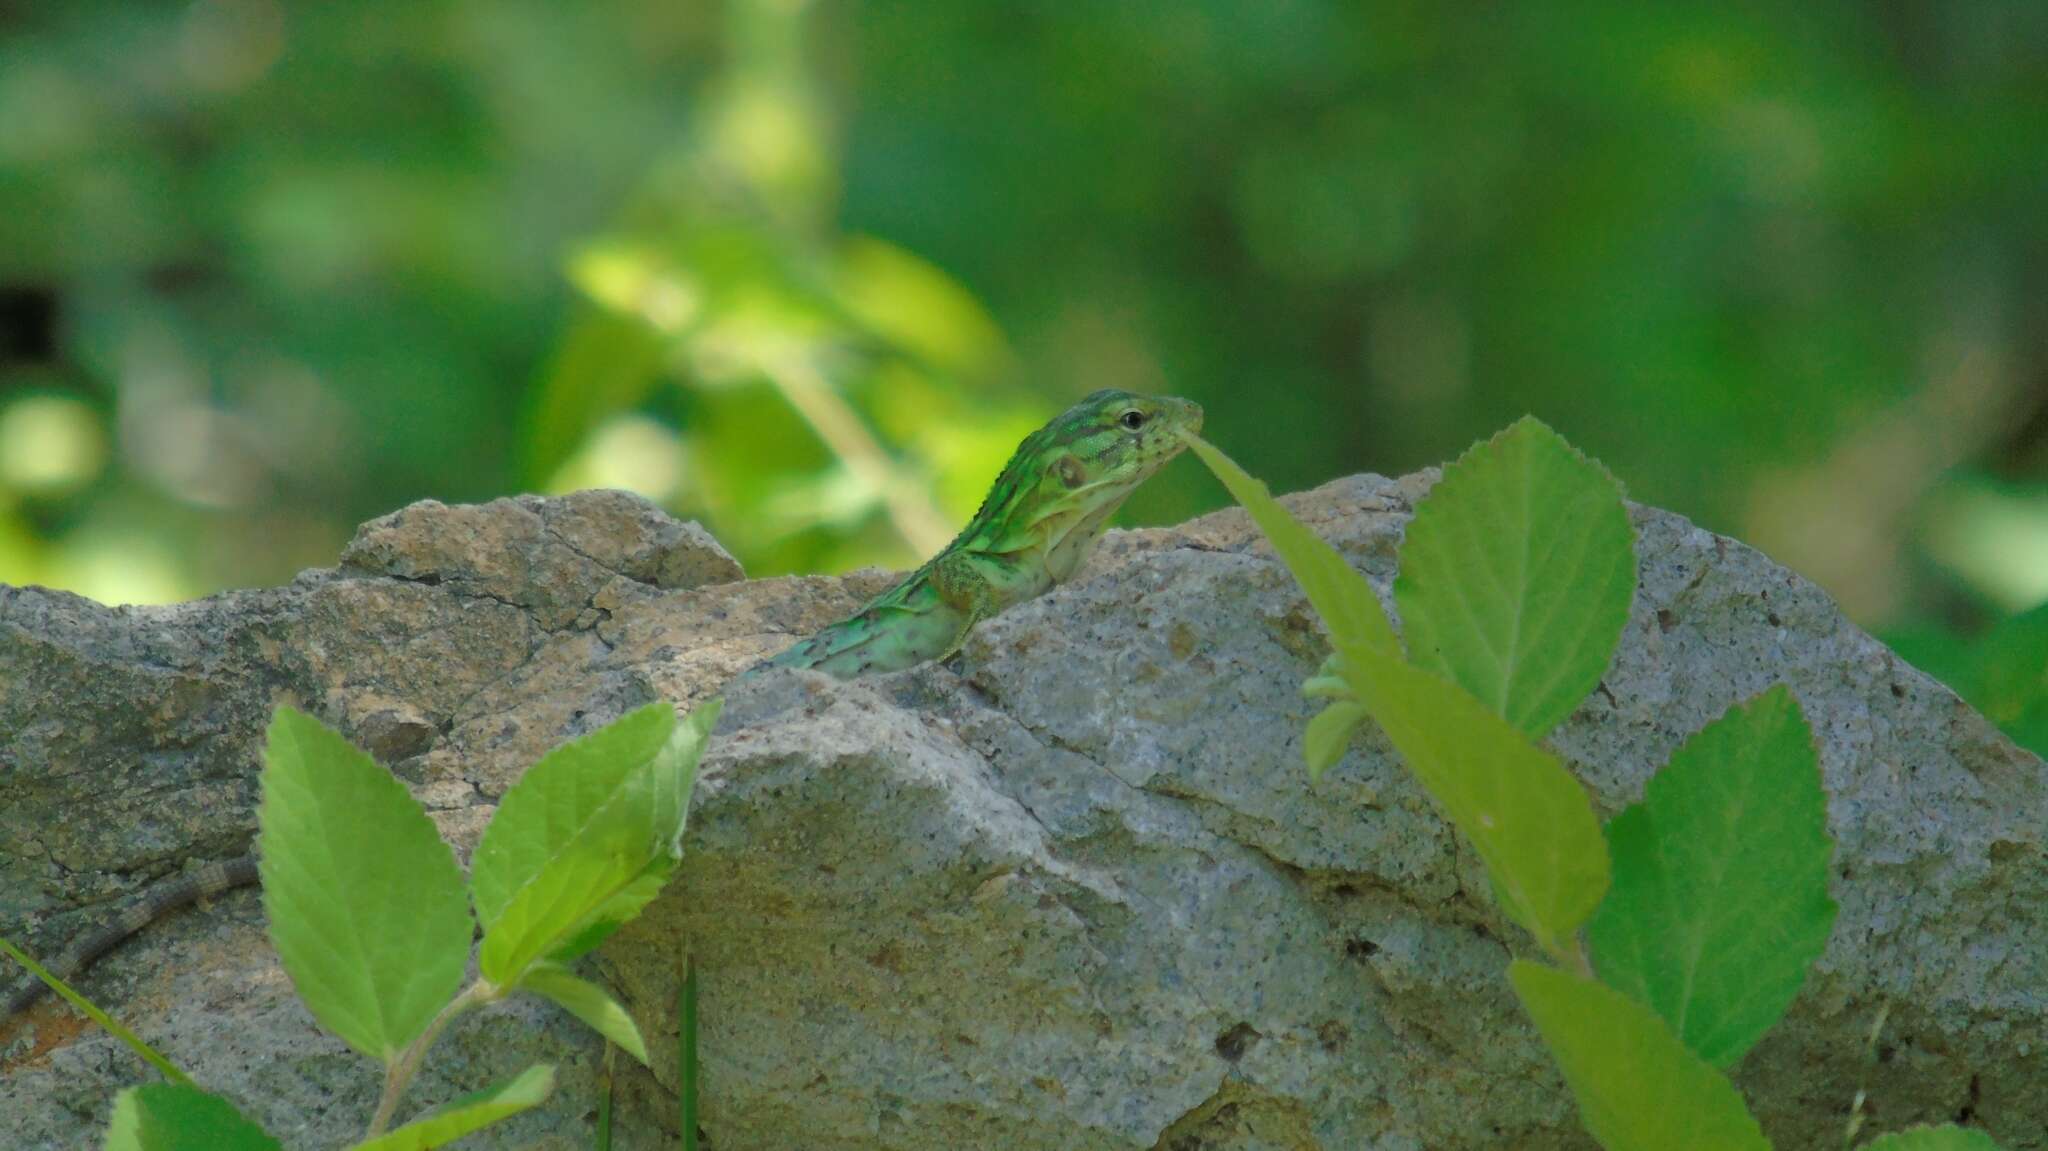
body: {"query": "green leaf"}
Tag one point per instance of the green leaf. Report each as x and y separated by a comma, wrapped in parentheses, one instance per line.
(565, 906)
(588, 1002)
(1328, 682)
(96, 1013)
(1528, 818)
(1340, 595)
(1329, 733)
(617, 911)
(181, 1117)
(1638, 1088)
(365, 902)
(676, 772)
(1516, 575)
(1720, 898)
(554, 800)
(1944, 1138)
(610, 868)
(468, 1114)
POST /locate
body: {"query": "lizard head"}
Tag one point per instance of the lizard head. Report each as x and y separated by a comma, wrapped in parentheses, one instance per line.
(1076, 470)
(1112, 440)
(1069, 476)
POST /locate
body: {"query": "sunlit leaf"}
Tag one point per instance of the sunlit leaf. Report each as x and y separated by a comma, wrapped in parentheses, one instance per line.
(469, 1114)
(588, 1002)
(633, 278)
(555, 798)
(365, 902)
(916, 306)
(1516, 575)
(610, 866)
(560, 907)
(1638, 1087)
(622, 908)
(1720, 899)
(1328, 682)
(181, 1117)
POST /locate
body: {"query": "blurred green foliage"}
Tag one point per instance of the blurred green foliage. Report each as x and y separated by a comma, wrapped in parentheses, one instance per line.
(807, 271)
(2002, 672)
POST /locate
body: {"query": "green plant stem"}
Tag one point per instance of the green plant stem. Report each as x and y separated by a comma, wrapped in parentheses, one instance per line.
(398, 1075)
(1579, 961)
(1568, 954)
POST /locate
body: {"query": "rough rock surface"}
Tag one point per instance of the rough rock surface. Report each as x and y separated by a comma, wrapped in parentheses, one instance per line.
(1071, 891)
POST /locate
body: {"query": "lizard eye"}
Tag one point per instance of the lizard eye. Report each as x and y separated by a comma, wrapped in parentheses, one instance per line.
(1133, 419)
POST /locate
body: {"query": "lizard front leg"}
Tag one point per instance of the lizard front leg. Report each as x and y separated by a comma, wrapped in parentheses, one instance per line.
(962, 586)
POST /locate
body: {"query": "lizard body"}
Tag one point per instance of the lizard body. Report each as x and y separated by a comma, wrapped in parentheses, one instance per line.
(1036, 528)
(204, 883)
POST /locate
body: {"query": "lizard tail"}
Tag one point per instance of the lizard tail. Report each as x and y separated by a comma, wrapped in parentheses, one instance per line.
(211, 880)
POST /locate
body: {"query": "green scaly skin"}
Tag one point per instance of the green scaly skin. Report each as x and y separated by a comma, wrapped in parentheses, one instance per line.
(1035, 529)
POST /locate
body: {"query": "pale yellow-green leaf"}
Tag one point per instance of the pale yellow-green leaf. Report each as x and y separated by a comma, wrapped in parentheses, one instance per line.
(1527, 816)
(588, 1002)
(1638, 1087)
(1329, 733)
(916, 306)
(613, 865)
(469, 1114)
(560, 903)
(1340, 595)
(555, 798)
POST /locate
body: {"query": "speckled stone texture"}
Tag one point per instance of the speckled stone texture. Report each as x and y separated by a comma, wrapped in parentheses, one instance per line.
(1071, 891)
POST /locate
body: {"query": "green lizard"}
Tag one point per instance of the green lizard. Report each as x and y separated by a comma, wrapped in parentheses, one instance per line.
(1035, 529)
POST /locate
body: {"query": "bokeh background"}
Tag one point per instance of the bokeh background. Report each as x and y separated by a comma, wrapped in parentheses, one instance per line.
(807, 271)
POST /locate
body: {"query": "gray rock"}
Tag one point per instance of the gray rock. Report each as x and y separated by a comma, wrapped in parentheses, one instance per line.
(1072, 891)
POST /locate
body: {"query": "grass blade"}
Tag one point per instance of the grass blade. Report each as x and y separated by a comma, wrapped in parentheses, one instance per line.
(686, 1051)
(93, 1012)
